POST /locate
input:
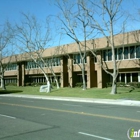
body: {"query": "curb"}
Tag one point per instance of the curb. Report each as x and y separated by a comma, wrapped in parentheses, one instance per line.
(76, 99)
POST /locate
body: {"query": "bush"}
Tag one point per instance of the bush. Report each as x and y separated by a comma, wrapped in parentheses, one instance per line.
(41, 83)
(27, 84)
(135, 84)
(109, 84)
(120, 84)
(79, 84)
(34, 84)
(53, 84)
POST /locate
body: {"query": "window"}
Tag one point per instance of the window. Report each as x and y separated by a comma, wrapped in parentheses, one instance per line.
(95, 59)
(128, 77)
(134, 77)
(137, 51)
(109, 55)
(120, 53)
(85, 61)
(116, 54)
(31, 65)
(11, 67)
(49, 62)
(77, 59)
(132, 52)
(56, 61)
(122, 77)
(105, 54)
(126, 53)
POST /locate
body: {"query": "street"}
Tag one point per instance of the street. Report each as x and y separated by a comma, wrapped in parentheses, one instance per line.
(37, 119)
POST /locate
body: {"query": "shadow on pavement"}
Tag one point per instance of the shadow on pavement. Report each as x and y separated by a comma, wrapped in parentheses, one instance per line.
(9, 91)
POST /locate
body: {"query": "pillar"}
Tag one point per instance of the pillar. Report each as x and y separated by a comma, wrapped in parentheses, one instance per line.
(70, 72)
(91, 76)
(99, 77)
(99, 72)
(23, 74)
(18, 75)
(125, 79)
(138, 77)
(64, 77)
(131, 77)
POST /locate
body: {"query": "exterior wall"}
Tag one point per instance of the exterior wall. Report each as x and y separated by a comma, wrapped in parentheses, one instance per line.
(124, 64)
(38, 71)
(70, 73)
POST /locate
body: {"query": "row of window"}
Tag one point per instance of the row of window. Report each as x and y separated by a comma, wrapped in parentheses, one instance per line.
(13, 80)
(131, 52)
(53, 62)
(11, 67)
(43, 79)
(128, 77)
(122, 77)
(77, 59)
(48, 62)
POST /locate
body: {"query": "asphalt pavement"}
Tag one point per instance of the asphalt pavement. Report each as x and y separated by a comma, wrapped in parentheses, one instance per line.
(27, 117)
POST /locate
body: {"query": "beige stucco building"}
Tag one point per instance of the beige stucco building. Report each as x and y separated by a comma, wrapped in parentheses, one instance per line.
(66, 63)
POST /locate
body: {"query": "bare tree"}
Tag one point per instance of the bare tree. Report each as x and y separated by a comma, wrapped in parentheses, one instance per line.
(49, 64)
(33, 40)
(107, 14)
(75, 24)
(6, 51)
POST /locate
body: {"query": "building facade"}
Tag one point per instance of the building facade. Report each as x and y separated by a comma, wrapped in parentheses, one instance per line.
(66, 65)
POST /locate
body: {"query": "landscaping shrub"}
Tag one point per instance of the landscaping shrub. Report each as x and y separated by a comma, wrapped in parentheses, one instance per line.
(108, 84)
(53, 84)
(79, 84)
(34, 84)
(120, 84)
(135, 84)
(27, 84)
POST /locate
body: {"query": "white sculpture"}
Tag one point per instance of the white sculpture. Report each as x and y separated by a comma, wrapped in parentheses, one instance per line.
(43, 88)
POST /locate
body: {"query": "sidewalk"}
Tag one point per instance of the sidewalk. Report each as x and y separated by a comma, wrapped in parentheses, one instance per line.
(76, 99)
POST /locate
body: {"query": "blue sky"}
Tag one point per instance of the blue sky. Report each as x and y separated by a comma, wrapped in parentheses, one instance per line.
(11, 10)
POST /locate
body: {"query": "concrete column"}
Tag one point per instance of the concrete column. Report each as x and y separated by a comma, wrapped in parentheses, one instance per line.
(70, 72)
(91, 77)
(99, 77)
(64, 78)
(23, 74)
(43, 79)
(131, 77)
(138, 77)
(125, 79)
(120, 77)
(18, 75)
(99, 73)
(51, 79)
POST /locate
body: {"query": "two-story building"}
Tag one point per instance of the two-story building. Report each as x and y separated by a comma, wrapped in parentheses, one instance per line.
(23, 70)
